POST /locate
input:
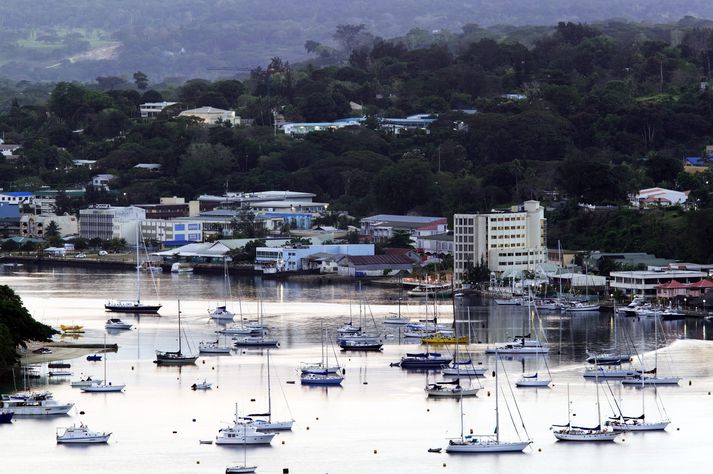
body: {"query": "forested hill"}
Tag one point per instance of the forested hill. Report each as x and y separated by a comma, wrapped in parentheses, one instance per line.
(583, 113)
(82, 39)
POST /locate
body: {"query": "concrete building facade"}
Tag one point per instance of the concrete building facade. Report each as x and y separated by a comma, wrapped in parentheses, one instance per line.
(512, 240)
(106, 222)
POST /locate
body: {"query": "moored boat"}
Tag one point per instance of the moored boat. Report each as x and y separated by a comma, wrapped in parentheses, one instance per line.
(34, 404)
(80, 435)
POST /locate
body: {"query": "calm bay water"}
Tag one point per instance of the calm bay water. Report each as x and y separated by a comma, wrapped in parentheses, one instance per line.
(378, 407)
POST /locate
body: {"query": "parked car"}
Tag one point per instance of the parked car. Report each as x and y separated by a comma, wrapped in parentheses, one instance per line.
(103, 252)
(80, 255)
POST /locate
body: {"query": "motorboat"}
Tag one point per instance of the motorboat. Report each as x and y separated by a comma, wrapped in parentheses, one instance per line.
(72, 329)
(242, 432)
(81, 435)
(580, 306)
(424, 360)
(204, 385)
(212, 347)
(181, 267)
(116, 323)
(221, 313)
(85, 382)
(34, 404)
(670, 314)
(450, 388)
(441, 338)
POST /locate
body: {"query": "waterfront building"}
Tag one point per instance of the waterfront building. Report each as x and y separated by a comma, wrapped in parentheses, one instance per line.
(292, 258)
(646, 282)
(504, 240)
(105, 222)
(374, 265)
(172, 231)
(32, 225)
(436, 243)
(231, 200)
(382, 227)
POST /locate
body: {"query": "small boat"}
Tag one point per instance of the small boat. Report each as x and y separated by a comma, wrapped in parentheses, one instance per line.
(671, 314)
(508, 301)
(451, 388)
(81, 435)
(255, 341)
(85, 382)
(202, 385)
(518, 345)
(239, 468)
(360, 342)
(319, 368)
(220, 312)
(60, 373)
(440, 338)
(212, 347)
(181, 267)
(94, 358)
(242, 432)
(6, 416)
(428, 290)
(177, 357)
(608, 372)
(100, 386)
(348, 328)
(34, 404)
(463, 368)
(424, 360)
(609, 359)
(59, 365)
(641, 379)
(118, 324)
(579, 307)
(72, 329)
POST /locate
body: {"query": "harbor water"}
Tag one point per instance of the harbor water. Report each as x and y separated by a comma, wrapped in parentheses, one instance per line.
(380, 419)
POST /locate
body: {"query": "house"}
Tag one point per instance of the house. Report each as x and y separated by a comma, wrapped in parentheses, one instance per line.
(695, 164)
(154, 167)
(153, 109)
(655, 197)
(406, 252)
(86, 163)
(441, 244)
(374, 265)
(8, 149)
(102, 181)
(297, 257)
(212, 115)
(675, 289)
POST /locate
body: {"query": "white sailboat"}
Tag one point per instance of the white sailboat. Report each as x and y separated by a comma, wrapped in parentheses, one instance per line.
(241, 468)
(569, 432)
(638, 423)
(486, 443)
(322, 367)
(213, 348)
(103, 386)
(536, 379)
(651, 377)
(134, 306)
(260, 340)
(269, 424)
(221, 312)
(322, 373)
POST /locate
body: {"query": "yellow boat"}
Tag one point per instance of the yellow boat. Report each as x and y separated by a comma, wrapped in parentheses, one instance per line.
(439, 338)
(71, 329)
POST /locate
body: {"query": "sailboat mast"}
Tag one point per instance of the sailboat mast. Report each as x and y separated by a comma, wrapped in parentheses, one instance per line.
(462, 438)
(599, 410)
(225, 279)
(138, 268)
(179, 336)
(497, 391)
(269, 391)
(105, 359)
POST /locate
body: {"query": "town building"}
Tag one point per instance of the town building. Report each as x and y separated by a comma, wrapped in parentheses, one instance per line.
(153, 109)
(646, 282)
(105, 222)
(90, 164)
(675, 290)
(629, 259)
(382, 227)
(17, 198)
(168, 208)
(172, 232)
(32, 225)
(152, 167)
(657, 197)
(507, 240)
(436, 243)
(374, 265)
(7, 150)
(246, 200)
(211, 252)
(101, 181)
(211, 115)
(294, 258)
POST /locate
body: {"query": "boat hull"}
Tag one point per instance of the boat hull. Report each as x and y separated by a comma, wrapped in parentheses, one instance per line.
(468, 392)
(652, 381)
(240, 469)
(645, 426)
(487, 447)
(322, 381)
(89, 440)
(176, 361)
(240, 440)
(263, 425)
(103, 388)
(533, 383)
(456, 372)
(585, 436)
(608, 374)
(137, 308)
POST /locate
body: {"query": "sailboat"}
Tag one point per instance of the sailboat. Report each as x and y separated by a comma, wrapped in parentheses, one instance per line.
(637, 423)
(612, 360)
(360, 341)
(259, 340)
(486, 443)
(242, 468)
(569, 432)
(651, 377)
(178, 357)
(134, 306)
(327, 375)
(536, 379)
(269, 424)
(322, 367)
(103, 386)
(220, 312)
(450, 388)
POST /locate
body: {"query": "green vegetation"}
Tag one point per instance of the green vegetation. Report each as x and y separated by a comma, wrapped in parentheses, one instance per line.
(16, 327)
(589, 113)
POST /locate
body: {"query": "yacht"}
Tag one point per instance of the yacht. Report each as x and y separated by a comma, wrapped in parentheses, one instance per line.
(533, 380)
(579, 307)
(569, 432)
(81, 435)
(242, 432)
(116, 323)
(34, 404)
(321, 379)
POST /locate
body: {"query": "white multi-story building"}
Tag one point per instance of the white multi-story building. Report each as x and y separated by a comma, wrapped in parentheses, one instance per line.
(154, 109)
(174, 231)
(32, 225)
(291, 258)
(505, 241)
(645, 282)
(106, 222)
